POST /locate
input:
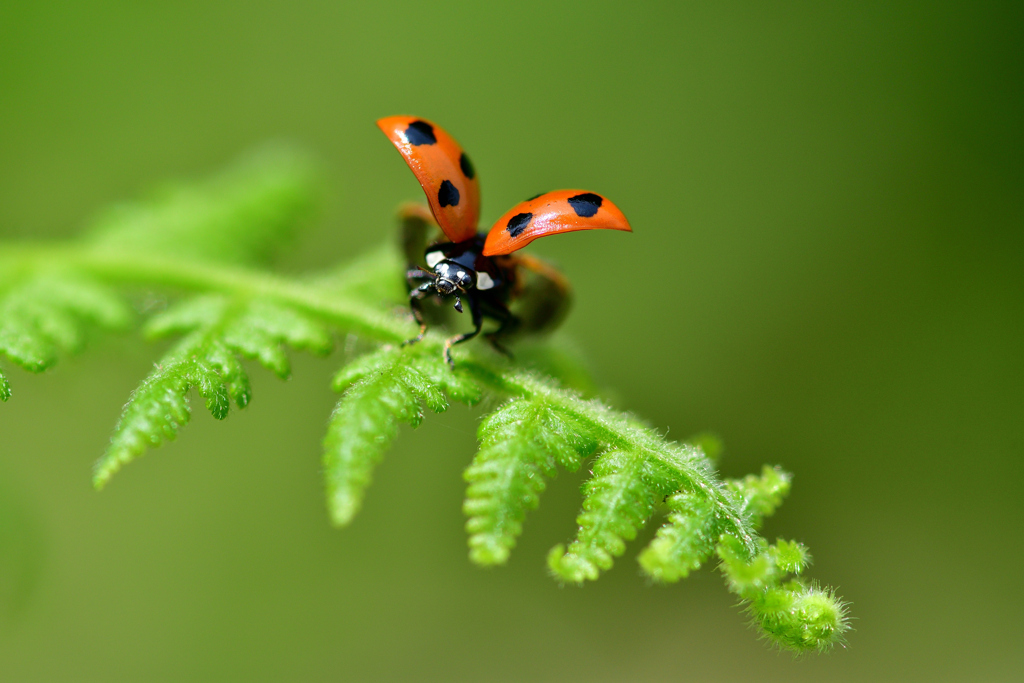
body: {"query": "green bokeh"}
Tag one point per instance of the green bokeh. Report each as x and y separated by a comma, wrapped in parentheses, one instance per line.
(827, 270)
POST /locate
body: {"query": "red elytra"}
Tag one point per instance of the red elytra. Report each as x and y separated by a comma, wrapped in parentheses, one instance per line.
(550, 214)
(436, 159)
(449, 181)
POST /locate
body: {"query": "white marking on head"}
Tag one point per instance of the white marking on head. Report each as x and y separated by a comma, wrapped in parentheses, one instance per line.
(434, 257)
(483, 280)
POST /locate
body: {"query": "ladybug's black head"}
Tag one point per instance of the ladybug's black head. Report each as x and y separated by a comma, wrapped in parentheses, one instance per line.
(452, 276)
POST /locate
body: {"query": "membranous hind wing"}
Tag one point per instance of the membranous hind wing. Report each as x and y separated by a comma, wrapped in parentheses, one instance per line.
(543, 295)
(443, 170)
(417, 230)
(550, 214)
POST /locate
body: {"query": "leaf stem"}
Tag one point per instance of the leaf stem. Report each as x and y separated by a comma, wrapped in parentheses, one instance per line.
(133, 268)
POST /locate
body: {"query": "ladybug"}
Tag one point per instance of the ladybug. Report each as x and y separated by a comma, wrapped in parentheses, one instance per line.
(482, 269)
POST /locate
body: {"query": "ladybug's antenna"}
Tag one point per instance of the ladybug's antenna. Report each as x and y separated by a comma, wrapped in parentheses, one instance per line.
(458, 304)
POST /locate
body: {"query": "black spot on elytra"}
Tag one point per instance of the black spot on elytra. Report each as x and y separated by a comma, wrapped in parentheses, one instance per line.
(585, 205)
(467, 166)
(518, 223)
(420, 133)
(448, 195)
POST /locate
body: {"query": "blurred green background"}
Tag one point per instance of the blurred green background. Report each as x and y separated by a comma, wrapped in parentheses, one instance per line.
(826, 270)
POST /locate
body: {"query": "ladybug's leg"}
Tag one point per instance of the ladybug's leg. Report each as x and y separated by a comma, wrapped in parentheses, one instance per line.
(507, 324)
(415, 296)
(498, 346)
(478, 321)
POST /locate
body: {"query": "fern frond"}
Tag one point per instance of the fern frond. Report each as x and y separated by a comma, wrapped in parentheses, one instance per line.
(51, 313)
(200, 238)
(381, 389)
(242, 215)
(792, 614)
(218, 330)
(520, 445)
